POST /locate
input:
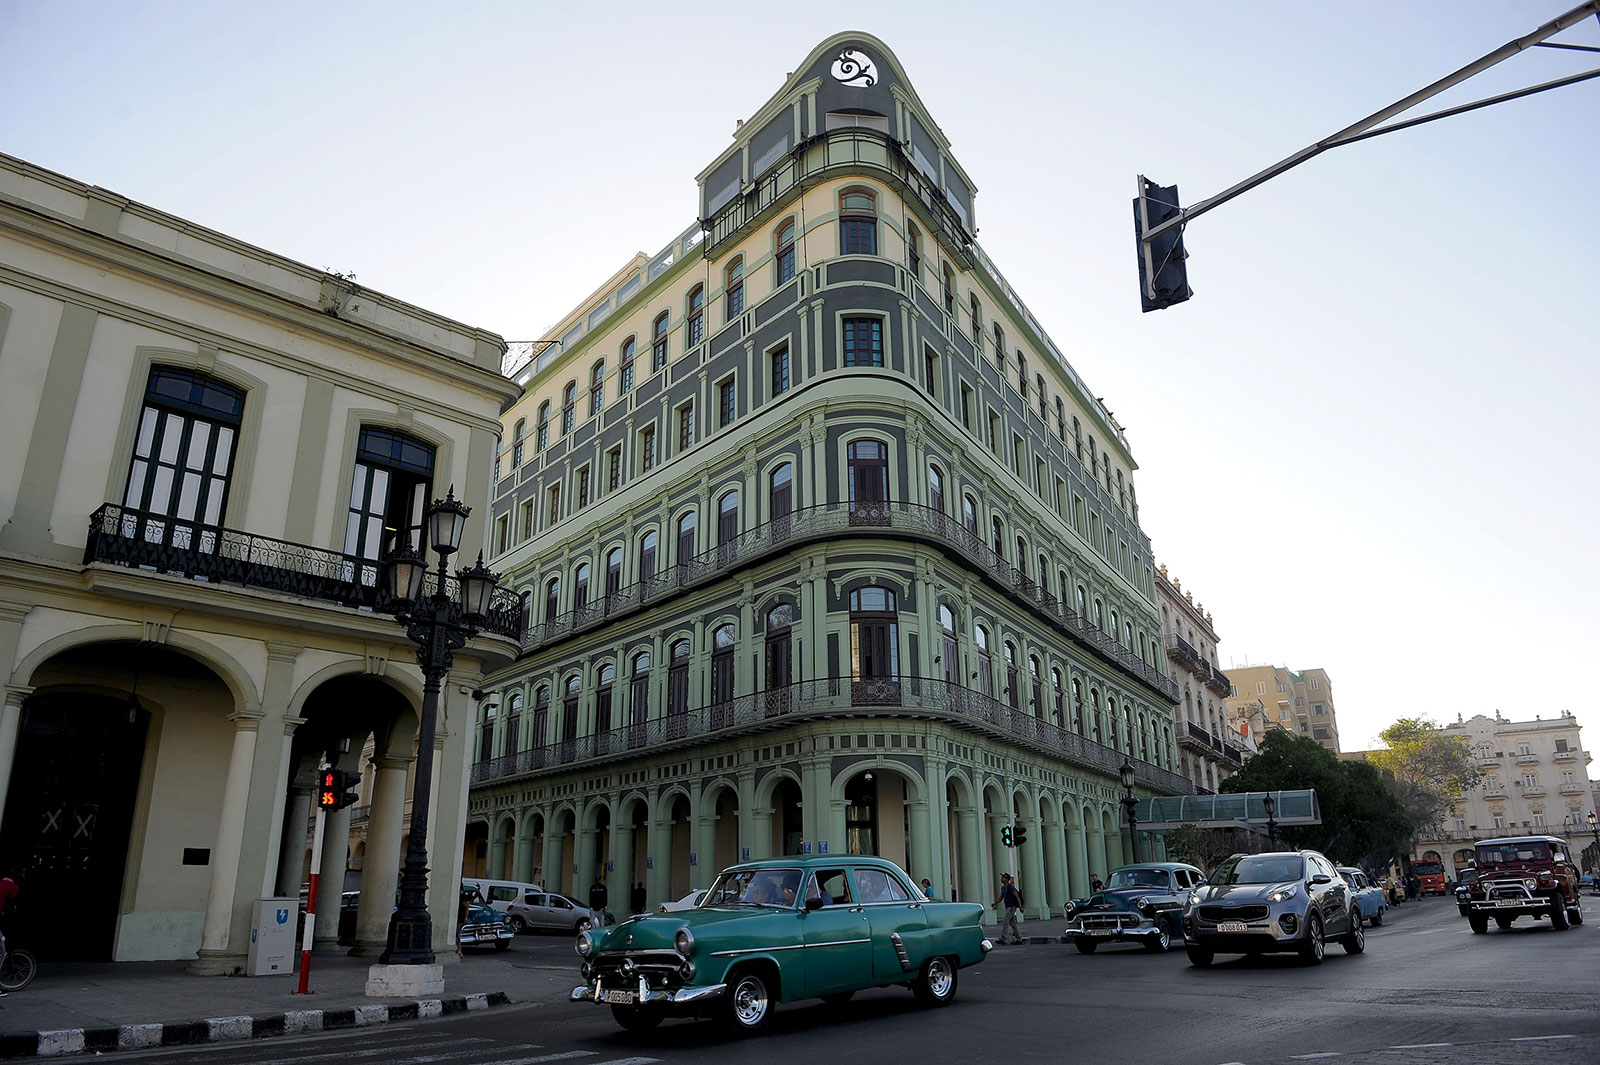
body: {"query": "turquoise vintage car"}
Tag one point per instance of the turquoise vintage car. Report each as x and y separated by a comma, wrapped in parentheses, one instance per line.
(777, 931)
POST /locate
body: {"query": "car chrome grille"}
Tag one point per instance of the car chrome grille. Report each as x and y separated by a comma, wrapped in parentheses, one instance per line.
(629, 965)
(1112, 921)
(1233, 913)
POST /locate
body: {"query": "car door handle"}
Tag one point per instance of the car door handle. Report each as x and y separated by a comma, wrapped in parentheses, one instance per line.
(857, 909)
(915, 906)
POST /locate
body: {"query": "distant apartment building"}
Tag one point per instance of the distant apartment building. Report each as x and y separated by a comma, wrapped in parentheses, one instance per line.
(1301, 702)
(1209, 750)
(1535, 780)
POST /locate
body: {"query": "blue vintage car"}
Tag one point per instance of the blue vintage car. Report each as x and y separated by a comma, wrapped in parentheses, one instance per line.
(1366, 894)
(777, 931)
(484, 926)
(1139, 904)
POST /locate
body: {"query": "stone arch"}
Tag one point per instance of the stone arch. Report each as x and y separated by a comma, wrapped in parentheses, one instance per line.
(769, 783)
(873, 764)
(228, 669)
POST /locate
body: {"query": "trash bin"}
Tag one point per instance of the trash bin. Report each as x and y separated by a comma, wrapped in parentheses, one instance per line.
(272, 941)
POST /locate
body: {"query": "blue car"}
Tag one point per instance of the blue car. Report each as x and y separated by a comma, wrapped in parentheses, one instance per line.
(1366, 895)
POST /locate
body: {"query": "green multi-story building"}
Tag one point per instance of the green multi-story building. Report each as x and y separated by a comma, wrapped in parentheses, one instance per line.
(824, 544)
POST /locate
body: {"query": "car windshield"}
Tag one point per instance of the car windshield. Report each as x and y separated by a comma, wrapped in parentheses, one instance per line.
(1259, 869)
(1506, 853)
(1129, 878)
(754, 887)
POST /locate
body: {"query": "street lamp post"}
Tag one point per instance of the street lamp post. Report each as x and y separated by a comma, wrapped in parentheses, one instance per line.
(438, 625)
(1128, 803)
(1594, 827)
(1271, 806)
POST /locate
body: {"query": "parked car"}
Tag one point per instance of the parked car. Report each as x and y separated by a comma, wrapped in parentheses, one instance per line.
(1369, 897)
(547, 911)
(1465, 879)
(484, 926)
(688, 902)
(1524, 876)
(1268, 903)
(1140, 904)
(498, 894)
(741, 951)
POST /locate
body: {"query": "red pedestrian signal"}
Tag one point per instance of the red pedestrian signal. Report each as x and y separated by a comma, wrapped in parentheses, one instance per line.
(336, 790)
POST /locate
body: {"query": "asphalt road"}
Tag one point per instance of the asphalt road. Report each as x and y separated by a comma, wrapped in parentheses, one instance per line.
(1426, 991)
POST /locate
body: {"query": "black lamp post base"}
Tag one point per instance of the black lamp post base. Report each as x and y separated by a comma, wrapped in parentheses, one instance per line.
(410, 939)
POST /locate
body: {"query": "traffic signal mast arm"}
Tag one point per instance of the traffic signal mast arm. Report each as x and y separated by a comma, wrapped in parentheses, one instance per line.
(1371, 125)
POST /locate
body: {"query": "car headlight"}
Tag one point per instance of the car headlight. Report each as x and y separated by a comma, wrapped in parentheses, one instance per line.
(584, 945)
(1142, 905)
(1283, 894)
(684, 942)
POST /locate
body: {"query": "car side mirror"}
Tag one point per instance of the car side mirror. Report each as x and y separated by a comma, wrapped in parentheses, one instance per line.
(1322, 878)
(814, 903)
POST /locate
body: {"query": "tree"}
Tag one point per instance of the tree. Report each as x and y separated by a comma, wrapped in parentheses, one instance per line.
(1204, 847)
(1362, 821)
(1430, 767)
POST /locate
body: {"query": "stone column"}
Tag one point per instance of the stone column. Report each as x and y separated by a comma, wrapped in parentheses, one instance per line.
(585, 844)
(920, 847)
(999, 858)
(292, 853)
(1077, 857)
(970, 847)
(380, 873)
(330, 887)
(522, 853)
(218, 952)
(1095, 851)
(1055, 865)
(10, 726)
(497, 850)
(1038, 892)
(620, 878)
(658, 877)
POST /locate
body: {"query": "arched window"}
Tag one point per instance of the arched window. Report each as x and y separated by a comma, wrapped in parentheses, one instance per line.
(1022, 376)
(949, 278)
(580, 586)
(541, 717)
(696, 317)
(486, 733)
(1111, 722)
(1013, 688)
(569, 709)
(638, 698)
(602, 699)
(914, 251)
(969, 514)
(1094, 713)
(686, 543)
(569, 406)
(1036, 686)
(858, 222)
(1022, 558)
(733, 288)
(516, 442)
(998, 536)
(1077, 706)
(1099, 616)
(625, 356)
(780, 495)
(597, 387)
(1061, 420)
(658, 343)
(727, 521)
(183, 464)
(542, 432)
(948, 653)
(783, 254)
(1116, 627)
(613, 571)
(678, 682)
(999, 344)
(1077, 438)
(985, 671)
(647, 555)
(723, 641)
(1038, 387)
(779, 673)
(936, 489)
(874, 644)
(1060, 697)
(868, 467)
(552, 598)
(977, 322)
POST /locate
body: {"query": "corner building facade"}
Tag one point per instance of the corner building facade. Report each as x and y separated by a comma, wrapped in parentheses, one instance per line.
(826, 546)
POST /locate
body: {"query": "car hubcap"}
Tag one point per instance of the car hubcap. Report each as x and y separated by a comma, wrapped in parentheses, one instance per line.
(939, 977)
(1164, 938)
(750, 1001)
(1316, 938)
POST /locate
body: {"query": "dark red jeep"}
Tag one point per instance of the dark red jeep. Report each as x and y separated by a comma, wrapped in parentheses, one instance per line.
(1524, 876)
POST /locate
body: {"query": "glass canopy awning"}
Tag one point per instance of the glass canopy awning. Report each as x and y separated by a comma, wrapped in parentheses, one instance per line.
(1240, 810)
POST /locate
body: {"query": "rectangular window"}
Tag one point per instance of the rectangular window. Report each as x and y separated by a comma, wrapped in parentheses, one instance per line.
(966, 408)
(786, 264)
(1039, 477)
(583, 487)
(527, 519)
(863, 342)
(735, 292)
(1016, 454)
(647, 449)
(726, 403)
(994, 432)
(780, 371)
(500, 534)
(1077, 514)
(553, 513)
(930, 371)
(614, 469)
(685, 426)
(858, 236)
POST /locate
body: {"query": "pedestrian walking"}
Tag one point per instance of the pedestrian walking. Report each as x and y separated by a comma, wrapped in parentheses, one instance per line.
(597, 901)
(638, 897)
(1011, 901)
(1096, 885)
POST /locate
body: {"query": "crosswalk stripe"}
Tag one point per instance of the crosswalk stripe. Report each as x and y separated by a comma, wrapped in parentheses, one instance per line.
(565, 1056)
(424, 1059)
(376, 1052)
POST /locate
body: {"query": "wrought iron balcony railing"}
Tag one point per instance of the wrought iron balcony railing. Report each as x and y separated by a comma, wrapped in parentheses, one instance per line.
(161, 543)
(828, 696)
(852, 150)
(1195, 737)
(1182, 652)
(829, 520)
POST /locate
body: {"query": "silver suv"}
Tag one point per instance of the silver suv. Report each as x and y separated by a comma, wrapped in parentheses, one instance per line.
(1270, 903)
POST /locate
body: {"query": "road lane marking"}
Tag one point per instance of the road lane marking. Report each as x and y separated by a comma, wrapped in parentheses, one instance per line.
(1323, 1054)
(1417, 1046)
(425, 1058)
(376, 1052)
(1536, 1038)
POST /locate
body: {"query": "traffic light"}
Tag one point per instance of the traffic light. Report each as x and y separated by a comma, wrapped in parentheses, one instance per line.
(1005, 836)
(336, 790)
(1019, 834)
(1163, 278)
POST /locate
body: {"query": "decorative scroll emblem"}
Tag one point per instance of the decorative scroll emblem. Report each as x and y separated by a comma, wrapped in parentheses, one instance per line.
(854, 68)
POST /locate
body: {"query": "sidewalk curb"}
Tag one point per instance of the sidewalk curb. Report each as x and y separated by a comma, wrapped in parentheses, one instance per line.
(45, 1044)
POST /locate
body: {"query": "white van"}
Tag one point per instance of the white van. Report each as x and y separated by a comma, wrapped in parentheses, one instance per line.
(499, 894)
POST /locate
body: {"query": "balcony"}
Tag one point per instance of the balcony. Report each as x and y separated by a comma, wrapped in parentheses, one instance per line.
(841, 152)
(157, 543)
(1527, 759)
(1195, 738)
(1233, 754)
(1533, 791)
(828, 697)
(1183, 653)
(828, 521)
(1567, 756)
(1219, 682)
(1490, 761)
(1572, 789)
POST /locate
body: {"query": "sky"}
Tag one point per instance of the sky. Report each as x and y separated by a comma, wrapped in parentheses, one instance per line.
(1366, 444)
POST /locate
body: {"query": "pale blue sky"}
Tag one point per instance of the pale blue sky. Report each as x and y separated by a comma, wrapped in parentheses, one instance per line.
(1365, 444)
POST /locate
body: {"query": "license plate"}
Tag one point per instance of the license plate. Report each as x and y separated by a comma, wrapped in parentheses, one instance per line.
(1099, 931)
(1508, 902)
(1233, 926)
(621, 998)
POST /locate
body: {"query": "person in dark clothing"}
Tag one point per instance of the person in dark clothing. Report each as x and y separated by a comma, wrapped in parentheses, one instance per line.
(597, 900)
(638, 897)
